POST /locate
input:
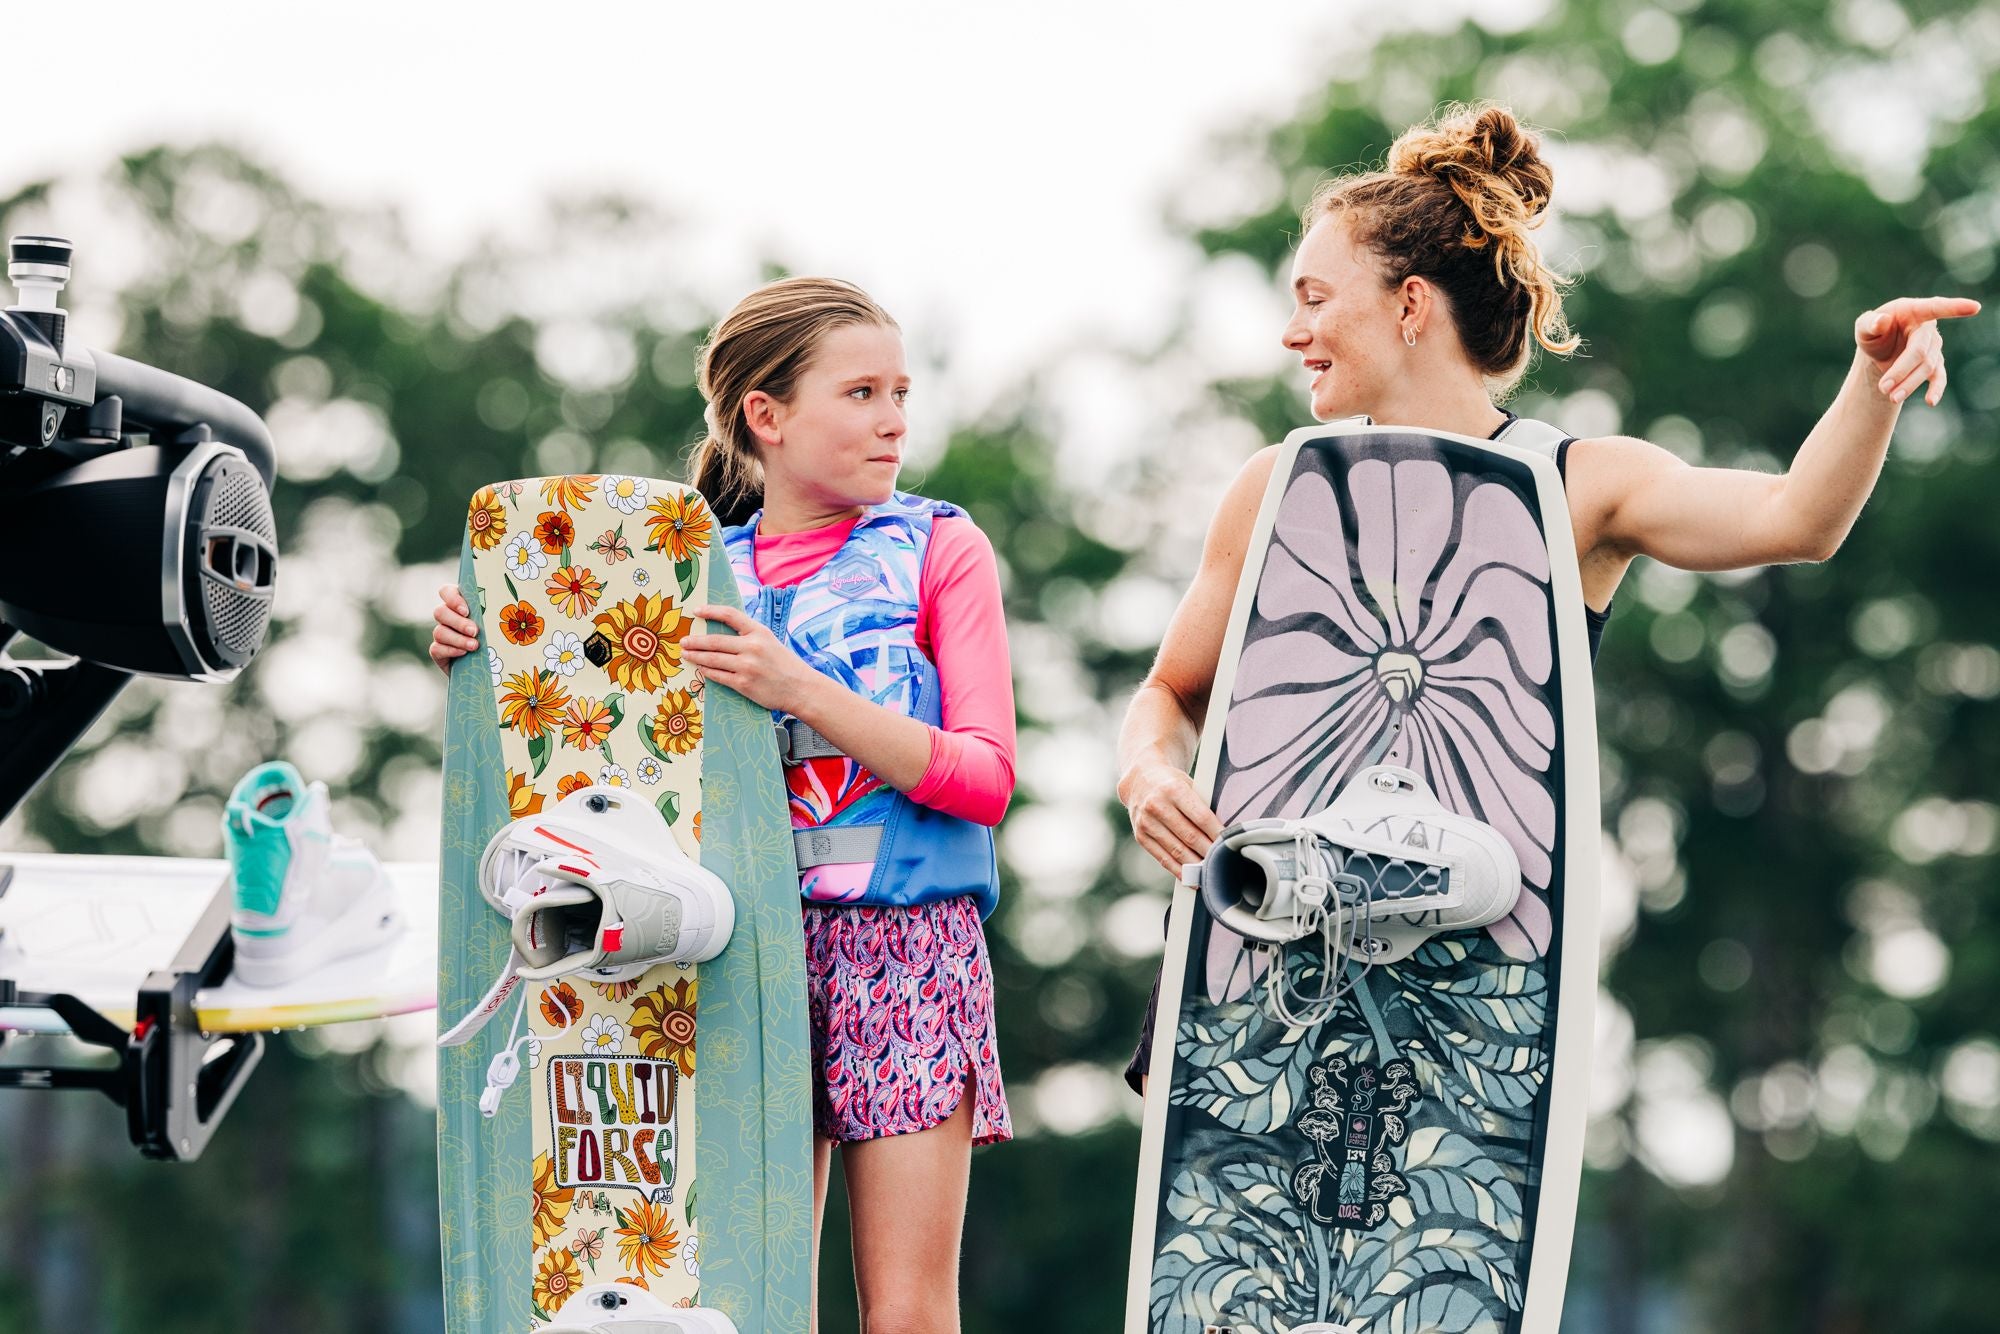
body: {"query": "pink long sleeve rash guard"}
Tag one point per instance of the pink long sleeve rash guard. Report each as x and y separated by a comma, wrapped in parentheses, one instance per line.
(962, 629)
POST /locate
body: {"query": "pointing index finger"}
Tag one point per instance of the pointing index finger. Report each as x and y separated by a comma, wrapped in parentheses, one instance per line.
(1921, 308)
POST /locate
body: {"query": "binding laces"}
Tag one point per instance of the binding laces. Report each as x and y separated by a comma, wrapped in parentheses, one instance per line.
(505, 1067)
(1333, 905)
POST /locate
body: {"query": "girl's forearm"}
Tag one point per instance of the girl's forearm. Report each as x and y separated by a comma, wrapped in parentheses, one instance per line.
(971, 776)
(895, 747)
(1836, 468)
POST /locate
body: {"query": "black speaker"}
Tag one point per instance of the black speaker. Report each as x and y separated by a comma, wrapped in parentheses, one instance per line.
(154, 559)
(135, 525)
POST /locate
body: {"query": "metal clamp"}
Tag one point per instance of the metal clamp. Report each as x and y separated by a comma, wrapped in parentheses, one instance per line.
(174, 1081)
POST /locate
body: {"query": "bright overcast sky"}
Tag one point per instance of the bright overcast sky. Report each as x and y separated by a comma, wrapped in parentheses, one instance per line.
(994, 174)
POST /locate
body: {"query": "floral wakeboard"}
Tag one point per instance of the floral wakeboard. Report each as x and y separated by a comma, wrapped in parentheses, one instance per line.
(659, 1132)
(1410, 1162)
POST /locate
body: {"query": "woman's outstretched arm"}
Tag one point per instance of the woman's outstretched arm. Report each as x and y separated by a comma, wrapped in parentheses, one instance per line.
(1650, 503)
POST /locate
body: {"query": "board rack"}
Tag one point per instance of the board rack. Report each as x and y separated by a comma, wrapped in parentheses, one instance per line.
(175, 1082)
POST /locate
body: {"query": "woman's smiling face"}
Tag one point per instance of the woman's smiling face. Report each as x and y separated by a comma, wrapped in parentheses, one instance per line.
(1345, 324)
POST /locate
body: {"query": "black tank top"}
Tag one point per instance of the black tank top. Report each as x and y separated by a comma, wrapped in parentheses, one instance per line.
(1594, 621)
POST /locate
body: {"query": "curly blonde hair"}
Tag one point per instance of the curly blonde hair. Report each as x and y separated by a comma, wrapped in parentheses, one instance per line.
(1458, 191)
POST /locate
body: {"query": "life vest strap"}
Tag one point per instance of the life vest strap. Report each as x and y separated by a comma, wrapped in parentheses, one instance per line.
(836, 843)
(799, 742)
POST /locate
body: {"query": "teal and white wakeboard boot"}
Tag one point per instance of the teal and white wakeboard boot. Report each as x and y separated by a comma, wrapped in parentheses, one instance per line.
(1369, 878)
(621, 1308)
(305, 897)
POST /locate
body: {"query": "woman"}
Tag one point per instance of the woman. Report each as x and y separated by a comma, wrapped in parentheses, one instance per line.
(1419, 298)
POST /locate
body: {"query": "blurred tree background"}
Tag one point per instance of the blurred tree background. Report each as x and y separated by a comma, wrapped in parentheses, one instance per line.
(1797, 1099)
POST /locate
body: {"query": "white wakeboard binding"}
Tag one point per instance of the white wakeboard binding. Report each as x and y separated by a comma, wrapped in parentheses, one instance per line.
(1373, 876)
(595, 887)
(621, 1308)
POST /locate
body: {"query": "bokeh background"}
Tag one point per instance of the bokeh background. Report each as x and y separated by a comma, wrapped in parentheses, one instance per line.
(439, 247)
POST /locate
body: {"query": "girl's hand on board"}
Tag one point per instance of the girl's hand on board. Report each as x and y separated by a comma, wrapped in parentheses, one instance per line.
(1902, 342)
(455, 634)
(751, 662)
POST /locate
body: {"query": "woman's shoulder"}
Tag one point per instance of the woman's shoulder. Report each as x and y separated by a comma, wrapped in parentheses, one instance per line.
(1615, 462)
(1235, 517)
(1252, 480)
(1603, 473)
(1247, 488)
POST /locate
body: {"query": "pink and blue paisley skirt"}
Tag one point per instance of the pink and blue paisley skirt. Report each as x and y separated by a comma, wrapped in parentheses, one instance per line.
(901, 1005)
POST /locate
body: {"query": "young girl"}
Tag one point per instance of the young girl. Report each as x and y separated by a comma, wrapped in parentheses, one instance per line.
(1420, 295)
(875, 636)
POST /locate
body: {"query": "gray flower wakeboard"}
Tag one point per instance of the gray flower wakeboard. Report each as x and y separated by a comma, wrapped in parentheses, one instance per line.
(658, 1135)
(1410, 1160)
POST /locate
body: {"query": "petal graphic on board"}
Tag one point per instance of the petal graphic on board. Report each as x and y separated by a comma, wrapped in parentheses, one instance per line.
(1403, 520)
(1495, 529)
(1308, 570)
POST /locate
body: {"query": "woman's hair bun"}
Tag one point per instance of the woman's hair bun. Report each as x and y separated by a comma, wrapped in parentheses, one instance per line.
(1488, 159)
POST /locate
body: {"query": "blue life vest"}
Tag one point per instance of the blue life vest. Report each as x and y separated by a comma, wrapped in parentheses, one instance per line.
(855, 620)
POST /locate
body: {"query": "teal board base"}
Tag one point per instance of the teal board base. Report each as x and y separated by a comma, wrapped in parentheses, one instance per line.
(755, 1125)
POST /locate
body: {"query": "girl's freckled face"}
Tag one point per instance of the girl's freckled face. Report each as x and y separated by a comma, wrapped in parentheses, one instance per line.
(845, 424)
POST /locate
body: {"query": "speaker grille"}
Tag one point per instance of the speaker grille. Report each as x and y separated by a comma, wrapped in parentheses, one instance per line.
(237, 504)
(235, 618)
(239, 501)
